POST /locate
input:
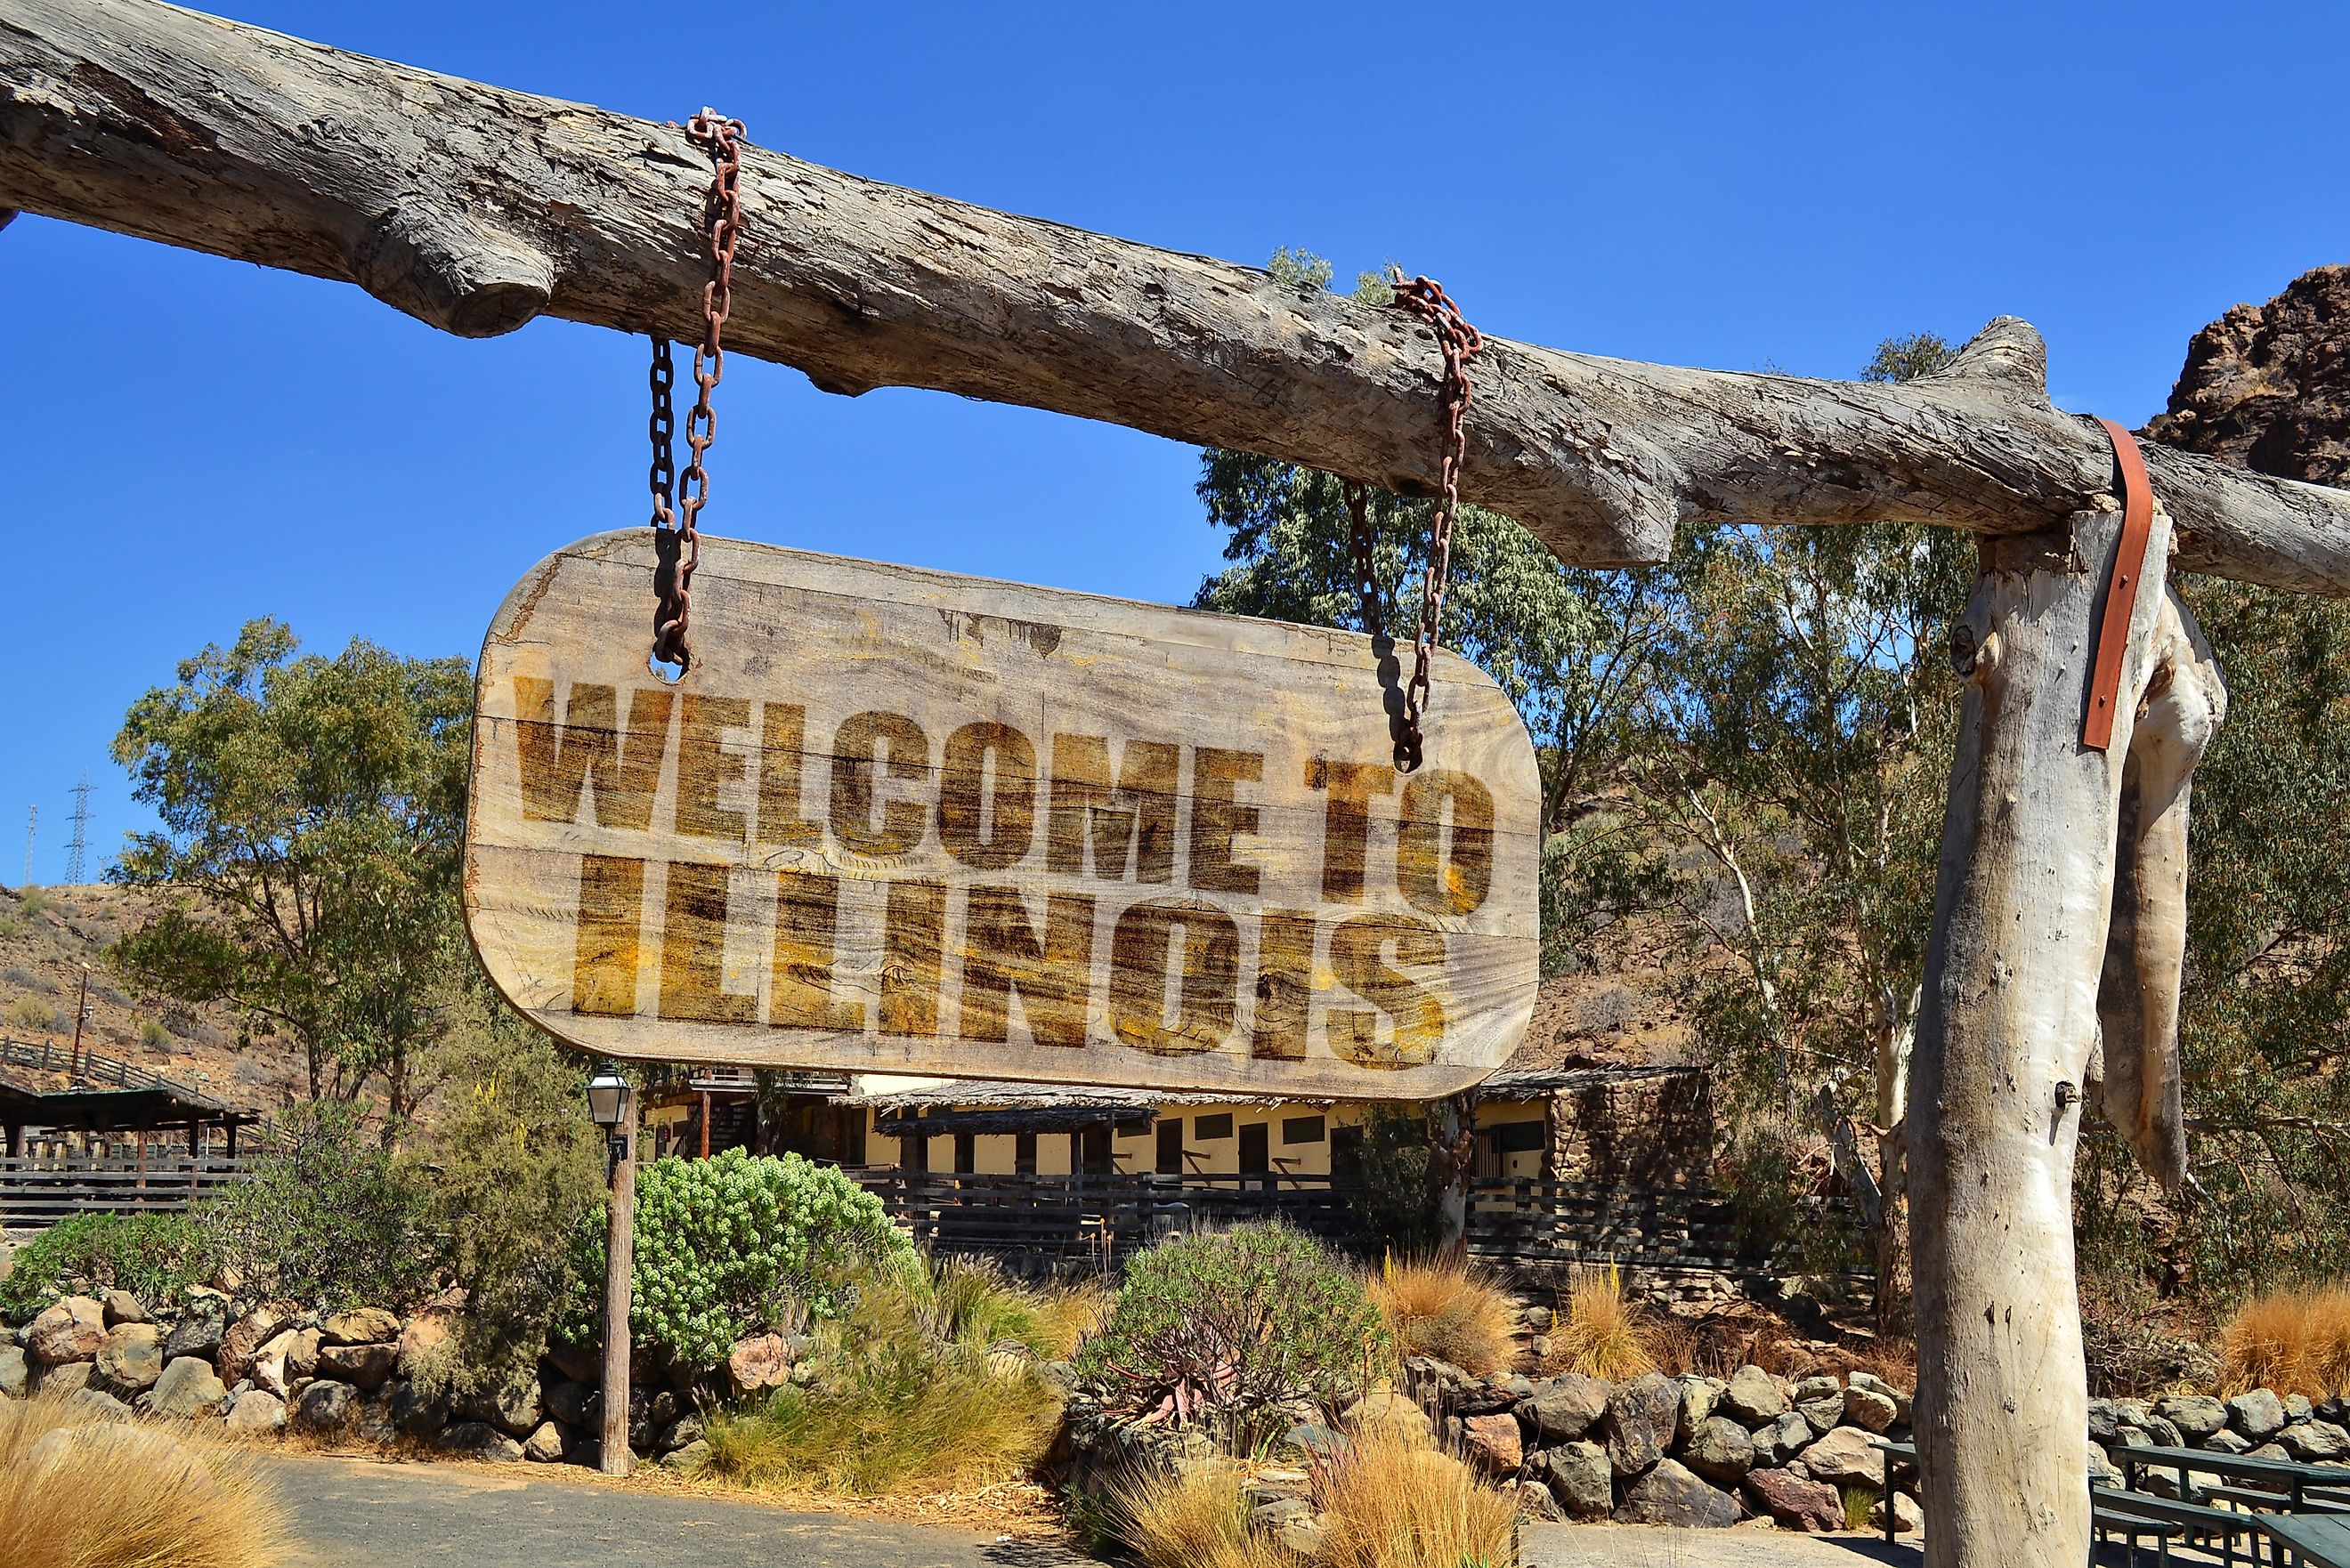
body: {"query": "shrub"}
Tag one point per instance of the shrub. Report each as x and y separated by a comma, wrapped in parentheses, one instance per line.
(23, 979)
(1389, 1176)
(152, 1256)
(1389, 1504)
(32, 1013)
(330, 1217)
(1194, 1517)
(126, 1497)
(1598, 1332)
(153, 1035)
(517, 1165)
(32, 900)
(1857, 1501)
(1448, 1309)
(2295, 1342)
(1229, 1323)
(733, 1244)
(908, 1397)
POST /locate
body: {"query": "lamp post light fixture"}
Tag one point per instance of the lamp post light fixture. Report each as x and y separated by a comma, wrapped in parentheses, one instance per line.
(612, 1105)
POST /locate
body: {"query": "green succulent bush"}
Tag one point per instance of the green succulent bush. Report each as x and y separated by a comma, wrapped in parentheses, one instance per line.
(733, 1245)
(1227, 1325)
(152, 1256)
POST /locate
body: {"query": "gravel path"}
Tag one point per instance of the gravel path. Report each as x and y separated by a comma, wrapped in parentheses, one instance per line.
(368, 1513)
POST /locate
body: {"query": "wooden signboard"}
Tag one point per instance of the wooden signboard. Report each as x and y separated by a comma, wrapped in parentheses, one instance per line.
(902, 821)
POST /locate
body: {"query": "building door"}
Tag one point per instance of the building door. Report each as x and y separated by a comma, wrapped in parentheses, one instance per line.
(1093, 1157)
(1171, 1147)
(966, 1154)
(1256, 1150)
(1024, 1154)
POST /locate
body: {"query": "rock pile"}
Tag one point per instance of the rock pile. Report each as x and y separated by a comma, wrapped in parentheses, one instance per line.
(265, 1366)
(2261, 1423)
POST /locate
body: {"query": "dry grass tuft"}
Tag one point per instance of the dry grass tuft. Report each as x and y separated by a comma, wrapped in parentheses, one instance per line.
(1067, 1312)
(1451, 1310)
(1195, 1518)
(1598, 1333)
(1390, 1505)
(2295, 1342)
(76, 1493)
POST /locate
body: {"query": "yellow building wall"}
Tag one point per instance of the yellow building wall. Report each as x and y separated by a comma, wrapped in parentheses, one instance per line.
(993, 1154)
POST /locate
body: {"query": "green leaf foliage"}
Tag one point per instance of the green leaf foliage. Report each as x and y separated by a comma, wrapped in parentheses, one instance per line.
(152, 1256)
(733, 1245)
(1225, 1326)
(308, 853)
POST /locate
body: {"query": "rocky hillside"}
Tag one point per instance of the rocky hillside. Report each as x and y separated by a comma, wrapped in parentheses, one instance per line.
(48, 935)
(2268, 386)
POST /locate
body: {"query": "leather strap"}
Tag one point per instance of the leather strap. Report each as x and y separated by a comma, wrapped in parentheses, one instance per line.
(2121, 592)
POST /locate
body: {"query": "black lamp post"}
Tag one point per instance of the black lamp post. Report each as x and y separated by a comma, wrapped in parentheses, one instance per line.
(612, 1105)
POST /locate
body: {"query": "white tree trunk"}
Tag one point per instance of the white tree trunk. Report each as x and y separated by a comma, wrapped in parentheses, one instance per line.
(2005, 1049)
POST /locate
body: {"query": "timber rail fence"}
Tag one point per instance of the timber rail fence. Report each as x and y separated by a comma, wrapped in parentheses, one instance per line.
(38, 1190)
(1522, 1222)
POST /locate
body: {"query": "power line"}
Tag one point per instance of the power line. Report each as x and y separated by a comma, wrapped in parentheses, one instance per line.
(80, 831)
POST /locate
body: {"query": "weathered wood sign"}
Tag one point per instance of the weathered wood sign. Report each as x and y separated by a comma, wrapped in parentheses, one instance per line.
(903, 821)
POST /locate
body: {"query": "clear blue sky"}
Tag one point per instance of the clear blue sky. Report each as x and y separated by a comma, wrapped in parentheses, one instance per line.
(197, 441)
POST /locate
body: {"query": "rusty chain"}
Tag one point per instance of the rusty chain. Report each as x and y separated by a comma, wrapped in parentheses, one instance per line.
(677, 548)
(1426, 298)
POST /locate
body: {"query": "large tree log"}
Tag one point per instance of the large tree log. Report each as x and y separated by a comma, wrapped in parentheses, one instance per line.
(2007, 1041)
(476, 209)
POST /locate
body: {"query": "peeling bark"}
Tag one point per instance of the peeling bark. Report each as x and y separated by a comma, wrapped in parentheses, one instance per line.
(476, 209)
(2010, 1023)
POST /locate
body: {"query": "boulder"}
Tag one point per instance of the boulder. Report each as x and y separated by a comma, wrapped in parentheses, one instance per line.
(2197, 1415)
(1564, 1408)
(692, 1456)
(2224, 1441)
(72, 1330)
(267, 1368)
(1847, 1456)
(1752, 1398)
(367, 1325)
(187, 1388)
(1581, 1478)
(2259, 1415)
(1821, 1399)
(686, 1428)
(366, 1364)
(2104, 1421)
(1720, 1450)
(122, 1307)
(1670, 1494)
(758, 1364)
(415, 1412)
(256, 1410)
(516, 1409)
(1868, 1409)
(427, 1330)
(2297, 1407)
(1699, 1395)
(1874, 1383)
(1492, 1444)
(327, 1405)
(66, 1378)
(580, 1363)
(248, 1335)
(130, 1361)
(1783, 1439)
(2265, 1452)
(16, 1377)
(1532, 1499)
(2102, 1468)
(198, 1333)
(92, 1405)
(1642, 1417)
(576, 1405)
(480, 1440)
(649, 1411)
(544, 1444)
(302, 1346)
(1794, 1499)
(2313, 1441)
(1386, 1409)
(1538, 1319)
(1907, 1518)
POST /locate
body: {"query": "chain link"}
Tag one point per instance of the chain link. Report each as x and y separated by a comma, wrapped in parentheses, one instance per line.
(677, 549)
(1426, 298)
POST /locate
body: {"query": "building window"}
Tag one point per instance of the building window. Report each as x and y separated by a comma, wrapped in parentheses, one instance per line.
(1133, 1129)
(1300, 1129)
(1207, 1128)
(1171, 1147)
(1024, 1154)
(966, 1153)
(1516, 1137)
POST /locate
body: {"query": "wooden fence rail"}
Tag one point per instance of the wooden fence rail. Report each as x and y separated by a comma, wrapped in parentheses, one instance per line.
(1103, 1217)
(41, 1189)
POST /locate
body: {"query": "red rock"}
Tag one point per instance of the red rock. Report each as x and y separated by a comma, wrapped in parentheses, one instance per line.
(72, 1330)
(1491, 1443)
(1795, 1501)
